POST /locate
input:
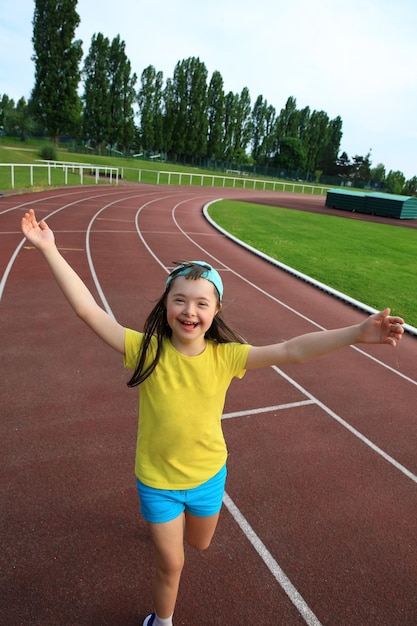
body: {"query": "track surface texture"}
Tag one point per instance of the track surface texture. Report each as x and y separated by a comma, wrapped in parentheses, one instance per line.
(319, 524)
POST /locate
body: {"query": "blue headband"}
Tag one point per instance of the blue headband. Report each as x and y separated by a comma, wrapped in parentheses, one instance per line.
(210, 274)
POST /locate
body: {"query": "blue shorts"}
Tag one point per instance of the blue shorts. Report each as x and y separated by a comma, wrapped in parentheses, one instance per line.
(163, 505)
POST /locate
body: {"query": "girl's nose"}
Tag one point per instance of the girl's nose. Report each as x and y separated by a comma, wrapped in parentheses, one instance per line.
(189, 309)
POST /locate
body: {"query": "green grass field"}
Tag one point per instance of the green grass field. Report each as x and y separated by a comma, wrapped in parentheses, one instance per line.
(373, 263)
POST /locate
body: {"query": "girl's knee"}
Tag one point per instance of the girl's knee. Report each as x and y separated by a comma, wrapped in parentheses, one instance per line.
(172, 560)
(171, 567)
(170, 570)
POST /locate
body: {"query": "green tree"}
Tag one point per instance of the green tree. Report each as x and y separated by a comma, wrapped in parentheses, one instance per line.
(170, 116)
(197, 109)
(292, 155)
(395, 182)
(230, 117)
(267, 147)
(158, 111)
(109, 94)
(317, 137)
(150, 108)
(377, 175)
(57, 56)
(19, 122)
(146, 108)
(288, 120)
(259, 113)
(327, 156)
(410, 187)
(122, 96)
(361, 168)
(6, 109)
(178, 93)
(186, 105)
(320, 137)
(242, 126)
(216, 114)
(303, 123)
(96, 97)
(343, 166)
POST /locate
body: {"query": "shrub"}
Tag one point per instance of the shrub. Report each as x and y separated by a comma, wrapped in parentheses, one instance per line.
(48, 153)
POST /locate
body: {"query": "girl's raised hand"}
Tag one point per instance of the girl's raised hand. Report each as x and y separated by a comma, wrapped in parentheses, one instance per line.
(37, 233)
(382, 328)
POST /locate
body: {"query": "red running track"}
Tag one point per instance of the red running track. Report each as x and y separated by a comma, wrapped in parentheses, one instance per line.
(319, 524)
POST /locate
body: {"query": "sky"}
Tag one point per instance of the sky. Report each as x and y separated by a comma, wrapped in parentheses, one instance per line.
(355, 59)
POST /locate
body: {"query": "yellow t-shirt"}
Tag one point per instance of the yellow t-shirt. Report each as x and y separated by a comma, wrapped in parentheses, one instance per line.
(180, 441)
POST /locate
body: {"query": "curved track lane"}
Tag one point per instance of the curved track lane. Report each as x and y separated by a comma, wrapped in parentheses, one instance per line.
(319, 521)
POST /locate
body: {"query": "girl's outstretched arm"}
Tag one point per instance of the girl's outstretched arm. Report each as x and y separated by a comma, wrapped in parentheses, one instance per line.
(73, 288)
(377, 328)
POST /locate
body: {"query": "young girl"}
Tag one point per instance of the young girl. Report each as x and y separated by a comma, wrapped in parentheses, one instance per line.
(184, 362)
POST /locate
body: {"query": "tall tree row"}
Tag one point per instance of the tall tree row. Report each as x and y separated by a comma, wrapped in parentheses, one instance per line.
(185, 101)
(151, 113)
(200, 120)
(109, 95)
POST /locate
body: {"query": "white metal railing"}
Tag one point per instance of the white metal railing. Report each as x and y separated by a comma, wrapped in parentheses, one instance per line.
(67, 167)
(161, 177)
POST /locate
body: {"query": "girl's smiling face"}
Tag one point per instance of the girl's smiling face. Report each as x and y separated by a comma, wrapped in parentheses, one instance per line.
(191, 306)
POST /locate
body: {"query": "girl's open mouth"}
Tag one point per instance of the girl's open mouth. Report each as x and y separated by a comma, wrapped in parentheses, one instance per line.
(188, 324)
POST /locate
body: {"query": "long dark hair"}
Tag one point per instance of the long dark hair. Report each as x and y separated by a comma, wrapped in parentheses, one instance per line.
(157, 325)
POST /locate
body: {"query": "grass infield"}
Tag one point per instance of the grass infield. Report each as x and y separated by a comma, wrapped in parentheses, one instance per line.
(373, 263)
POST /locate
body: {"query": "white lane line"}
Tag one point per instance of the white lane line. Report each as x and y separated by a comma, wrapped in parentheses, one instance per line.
(19, 246)
(388, 367)
(46, 217)
(267, 409)
(348, 426)
(277, 572)
(8, 269)
(88, 248)
(313, 400)
(140, 233)
(40, 200)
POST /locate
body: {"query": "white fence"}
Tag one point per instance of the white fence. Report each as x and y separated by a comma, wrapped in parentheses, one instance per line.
(216, 180)
(86, 172)
(80, 169)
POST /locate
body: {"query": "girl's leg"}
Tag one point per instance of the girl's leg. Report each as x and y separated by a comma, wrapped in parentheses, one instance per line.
(199, 531)
(168, 540)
